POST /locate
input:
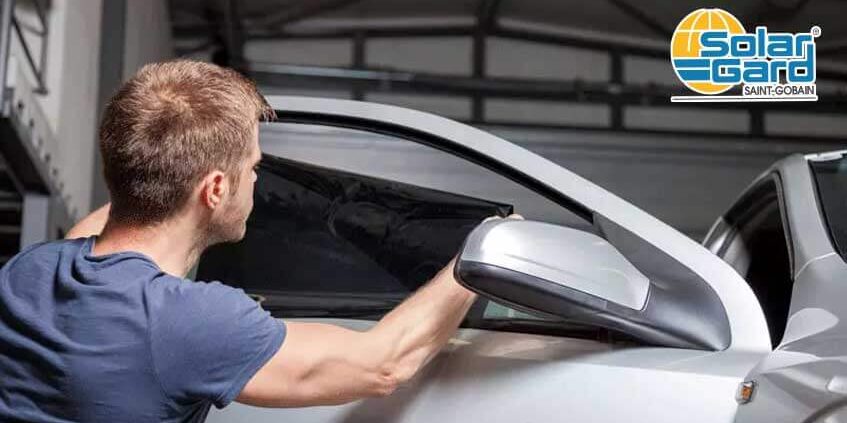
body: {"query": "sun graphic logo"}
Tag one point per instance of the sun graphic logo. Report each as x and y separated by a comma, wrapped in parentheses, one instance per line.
(711, 53)
(685, 46)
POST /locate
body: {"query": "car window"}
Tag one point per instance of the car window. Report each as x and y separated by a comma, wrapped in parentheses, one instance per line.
(755, 242)
(388, 157)
(831, 180)
(347, 223)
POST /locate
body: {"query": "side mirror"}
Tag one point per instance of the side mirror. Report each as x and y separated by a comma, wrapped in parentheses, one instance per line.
(579, 276)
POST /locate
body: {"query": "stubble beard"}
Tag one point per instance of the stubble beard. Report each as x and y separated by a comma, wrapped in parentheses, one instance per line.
(231, 227)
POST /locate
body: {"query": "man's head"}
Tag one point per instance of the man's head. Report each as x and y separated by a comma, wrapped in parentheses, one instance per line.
(181, 138)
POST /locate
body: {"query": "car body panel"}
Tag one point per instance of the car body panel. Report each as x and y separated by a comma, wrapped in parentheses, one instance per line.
(810, 239)
(807, 374)
(508, 377)
(816, 263)
(805, 378)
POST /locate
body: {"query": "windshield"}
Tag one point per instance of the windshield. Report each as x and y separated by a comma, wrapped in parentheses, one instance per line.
(831, 180)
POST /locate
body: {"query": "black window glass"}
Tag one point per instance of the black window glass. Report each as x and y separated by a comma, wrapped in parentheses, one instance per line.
(326, 231)
(831, 179)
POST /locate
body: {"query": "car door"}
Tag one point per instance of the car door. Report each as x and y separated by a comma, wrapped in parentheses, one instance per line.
(503, 365)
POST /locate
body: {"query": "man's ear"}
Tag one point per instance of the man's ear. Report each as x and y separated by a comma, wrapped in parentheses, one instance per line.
(214, 189)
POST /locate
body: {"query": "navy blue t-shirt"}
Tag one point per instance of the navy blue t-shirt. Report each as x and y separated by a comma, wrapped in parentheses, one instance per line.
(113, 338)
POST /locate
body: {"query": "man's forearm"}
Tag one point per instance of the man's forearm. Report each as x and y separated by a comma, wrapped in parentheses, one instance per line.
(419, 327)
(92, 224)
(322, 364)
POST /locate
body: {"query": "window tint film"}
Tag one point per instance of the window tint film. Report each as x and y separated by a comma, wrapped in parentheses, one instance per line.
(831, 179)
(323, 231)
(348, 223)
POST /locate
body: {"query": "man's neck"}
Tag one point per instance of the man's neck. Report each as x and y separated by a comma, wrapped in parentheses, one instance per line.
(172, 246)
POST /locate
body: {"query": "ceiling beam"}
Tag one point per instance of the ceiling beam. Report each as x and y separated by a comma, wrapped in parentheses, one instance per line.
(291, 14)
(767, 11)
(486, 20)
(232, 37)
(487, 14)
(601, 92)
(643, 18)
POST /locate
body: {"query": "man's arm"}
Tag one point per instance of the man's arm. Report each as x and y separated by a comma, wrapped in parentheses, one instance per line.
(90, 225)
(320, 364)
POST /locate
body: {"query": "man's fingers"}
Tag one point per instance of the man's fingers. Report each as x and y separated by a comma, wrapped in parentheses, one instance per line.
(514, 216)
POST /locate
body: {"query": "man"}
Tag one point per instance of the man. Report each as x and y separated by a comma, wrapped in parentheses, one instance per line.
(103, 327)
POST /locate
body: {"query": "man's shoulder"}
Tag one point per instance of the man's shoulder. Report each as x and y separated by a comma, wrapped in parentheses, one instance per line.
(173, 285)
(52, 247)
(171, 291)
(45, 252)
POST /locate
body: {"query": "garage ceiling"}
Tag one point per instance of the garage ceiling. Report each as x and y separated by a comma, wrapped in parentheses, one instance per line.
(653, 20)
(625, 34)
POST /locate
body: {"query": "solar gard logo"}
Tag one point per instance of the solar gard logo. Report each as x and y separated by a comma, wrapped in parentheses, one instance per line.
(712, 53)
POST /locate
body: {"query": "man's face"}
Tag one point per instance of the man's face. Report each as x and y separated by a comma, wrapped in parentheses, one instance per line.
(231, 224)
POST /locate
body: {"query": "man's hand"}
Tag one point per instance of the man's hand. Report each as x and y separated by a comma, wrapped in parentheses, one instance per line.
(320, 364)
(511, 216)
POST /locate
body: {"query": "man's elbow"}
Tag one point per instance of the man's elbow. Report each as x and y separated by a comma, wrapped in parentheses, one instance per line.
(384, 387)
(393, 369)
(390, 377)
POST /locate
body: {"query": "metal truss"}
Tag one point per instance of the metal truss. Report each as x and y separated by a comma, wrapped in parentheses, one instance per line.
(360, 79)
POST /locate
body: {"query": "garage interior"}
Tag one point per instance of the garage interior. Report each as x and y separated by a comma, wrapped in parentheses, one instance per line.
(585, 84)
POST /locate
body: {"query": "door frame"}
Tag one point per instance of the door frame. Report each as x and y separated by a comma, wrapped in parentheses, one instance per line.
(746, 319)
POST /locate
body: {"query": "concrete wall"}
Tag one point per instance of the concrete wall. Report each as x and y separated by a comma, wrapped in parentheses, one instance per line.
(65, 120)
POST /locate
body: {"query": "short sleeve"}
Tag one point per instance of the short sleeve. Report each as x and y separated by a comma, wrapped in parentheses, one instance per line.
(207, 341)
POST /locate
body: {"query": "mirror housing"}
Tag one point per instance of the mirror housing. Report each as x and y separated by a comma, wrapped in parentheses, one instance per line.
(555, 259)
(581, 277)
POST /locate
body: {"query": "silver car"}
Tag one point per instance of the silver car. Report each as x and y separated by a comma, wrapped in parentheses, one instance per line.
(592, 310)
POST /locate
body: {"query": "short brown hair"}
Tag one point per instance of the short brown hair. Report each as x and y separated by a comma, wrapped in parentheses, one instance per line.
(167, 127)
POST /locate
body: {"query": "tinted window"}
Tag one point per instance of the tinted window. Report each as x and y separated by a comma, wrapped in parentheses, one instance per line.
(347, 223)
(831, 179)
(326, 232)
(388, 157)
(756, 246)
